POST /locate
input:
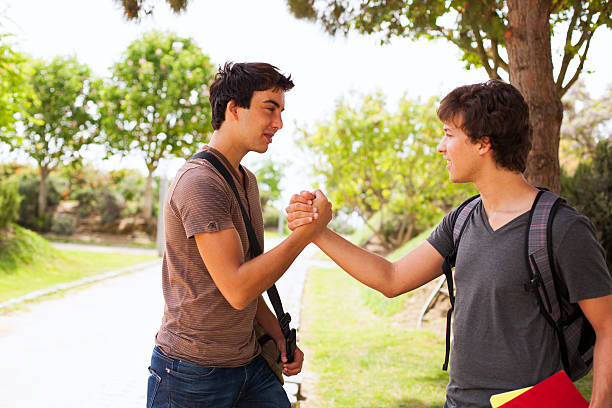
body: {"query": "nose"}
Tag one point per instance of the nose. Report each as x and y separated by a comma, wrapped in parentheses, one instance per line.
(277, 124)
(442, 145)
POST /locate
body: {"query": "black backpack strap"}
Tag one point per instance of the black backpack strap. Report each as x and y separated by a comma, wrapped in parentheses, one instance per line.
(255, 249)
(464, 211)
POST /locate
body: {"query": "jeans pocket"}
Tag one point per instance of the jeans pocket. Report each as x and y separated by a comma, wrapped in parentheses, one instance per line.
(152, 387)
(191, 374)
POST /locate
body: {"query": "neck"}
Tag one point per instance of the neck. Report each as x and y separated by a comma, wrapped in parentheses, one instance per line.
(223, 142)
(506, 191)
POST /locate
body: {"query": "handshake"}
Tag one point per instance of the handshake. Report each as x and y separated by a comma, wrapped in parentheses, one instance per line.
(309, 211)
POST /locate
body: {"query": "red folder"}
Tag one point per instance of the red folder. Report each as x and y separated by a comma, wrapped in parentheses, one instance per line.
(556, 391)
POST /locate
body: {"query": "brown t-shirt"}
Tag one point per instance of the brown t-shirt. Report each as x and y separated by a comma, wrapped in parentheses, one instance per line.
(199, 325)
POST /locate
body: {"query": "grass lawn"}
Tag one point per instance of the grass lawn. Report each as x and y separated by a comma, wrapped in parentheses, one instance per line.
(363, 359)
(29, 263)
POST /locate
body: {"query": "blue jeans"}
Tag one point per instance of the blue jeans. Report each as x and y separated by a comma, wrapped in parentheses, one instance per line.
(175, 383)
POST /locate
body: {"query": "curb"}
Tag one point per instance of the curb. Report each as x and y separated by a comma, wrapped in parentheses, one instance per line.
(80, 282)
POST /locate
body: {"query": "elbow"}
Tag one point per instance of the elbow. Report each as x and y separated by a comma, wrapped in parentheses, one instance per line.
(391, 292)
(238, 303)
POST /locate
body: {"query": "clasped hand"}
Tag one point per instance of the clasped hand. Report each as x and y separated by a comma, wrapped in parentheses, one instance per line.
(309, 210)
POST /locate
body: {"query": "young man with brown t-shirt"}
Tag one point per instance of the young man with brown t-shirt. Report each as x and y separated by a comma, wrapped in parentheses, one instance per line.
(206, 353)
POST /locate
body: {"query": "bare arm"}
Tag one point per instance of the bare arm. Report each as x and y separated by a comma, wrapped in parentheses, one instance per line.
(416, 268)
(599, 313)
(240, 283)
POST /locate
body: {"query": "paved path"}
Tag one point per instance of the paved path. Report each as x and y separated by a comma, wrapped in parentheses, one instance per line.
(91, 347)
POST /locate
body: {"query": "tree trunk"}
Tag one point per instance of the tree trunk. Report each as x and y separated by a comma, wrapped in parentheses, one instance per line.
(42, 190)
(148, 198)
(531, 71)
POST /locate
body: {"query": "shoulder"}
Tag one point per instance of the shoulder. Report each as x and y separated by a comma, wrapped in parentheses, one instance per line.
(198, 179)
(568, 223)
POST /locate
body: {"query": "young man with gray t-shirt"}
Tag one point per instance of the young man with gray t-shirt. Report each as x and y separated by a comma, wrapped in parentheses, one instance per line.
(501, 339)
(206, 353)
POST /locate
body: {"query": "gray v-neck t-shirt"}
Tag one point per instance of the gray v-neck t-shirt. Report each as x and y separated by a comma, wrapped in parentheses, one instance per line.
(501, 341)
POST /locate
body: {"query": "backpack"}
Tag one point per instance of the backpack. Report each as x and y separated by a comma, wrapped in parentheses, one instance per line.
(574, 332)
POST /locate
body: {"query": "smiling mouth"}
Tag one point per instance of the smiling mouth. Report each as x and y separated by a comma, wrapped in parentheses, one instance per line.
(269, 138)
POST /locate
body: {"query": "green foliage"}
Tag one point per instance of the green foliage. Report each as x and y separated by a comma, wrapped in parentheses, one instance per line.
(157, 100)
(385, 164)
(29, 185)
(55, 130)
(269, 174)
(9, 202)
(64, 121)
(478, 28)
(15, 92)
(589, 190)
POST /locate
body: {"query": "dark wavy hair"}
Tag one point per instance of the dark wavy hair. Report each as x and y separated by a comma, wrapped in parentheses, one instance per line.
(496, 110)
(238, 81)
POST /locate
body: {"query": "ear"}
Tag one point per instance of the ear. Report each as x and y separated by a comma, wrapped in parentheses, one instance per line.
(231, 110)
(484, 145)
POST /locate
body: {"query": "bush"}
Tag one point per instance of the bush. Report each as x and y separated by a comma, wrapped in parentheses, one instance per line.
(63, 224)
(10, 199)
(29, 184)
(270, 217)
(589, 190)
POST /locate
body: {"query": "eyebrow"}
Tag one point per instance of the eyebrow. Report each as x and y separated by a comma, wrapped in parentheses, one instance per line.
(273, 102)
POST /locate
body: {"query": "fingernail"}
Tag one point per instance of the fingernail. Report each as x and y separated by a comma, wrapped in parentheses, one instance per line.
(309, 218)
(315, 209)
(310, 202)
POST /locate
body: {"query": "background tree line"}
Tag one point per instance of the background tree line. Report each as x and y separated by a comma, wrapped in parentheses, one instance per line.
(154, 103)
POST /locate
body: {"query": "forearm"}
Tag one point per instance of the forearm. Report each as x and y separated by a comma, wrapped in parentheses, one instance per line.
(258, 274)
(368, 268)
(601, 396)
(267, 320)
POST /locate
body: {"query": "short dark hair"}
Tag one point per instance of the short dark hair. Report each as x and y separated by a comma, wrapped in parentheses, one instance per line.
(238, 81)
(496, 110)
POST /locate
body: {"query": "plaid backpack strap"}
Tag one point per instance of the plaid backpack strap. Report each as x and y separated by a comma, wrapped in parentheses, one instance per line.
(541, 272)
(463, 214)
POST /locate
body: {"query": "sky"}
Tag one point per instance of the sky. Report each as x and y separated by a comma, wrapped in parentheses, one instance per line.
(323, 68)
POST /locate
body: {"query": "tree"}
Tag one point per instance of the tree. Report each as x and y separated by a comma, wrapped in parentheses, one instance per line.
(385, 166)
(54, 130)
(586, 121)
(512, 36)
(157, 101)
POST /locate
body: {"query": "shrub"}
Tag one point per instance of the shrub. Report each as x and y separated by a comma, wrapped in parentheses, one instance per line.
(29, 184)
(63, 224)
(10, 199)
(270, 217)
(589, 190)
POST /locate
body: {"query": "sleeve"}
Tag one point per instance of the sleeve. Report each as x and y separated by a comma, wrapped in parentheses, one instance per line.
(202, 203)
(441, 237)
(580, 259)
